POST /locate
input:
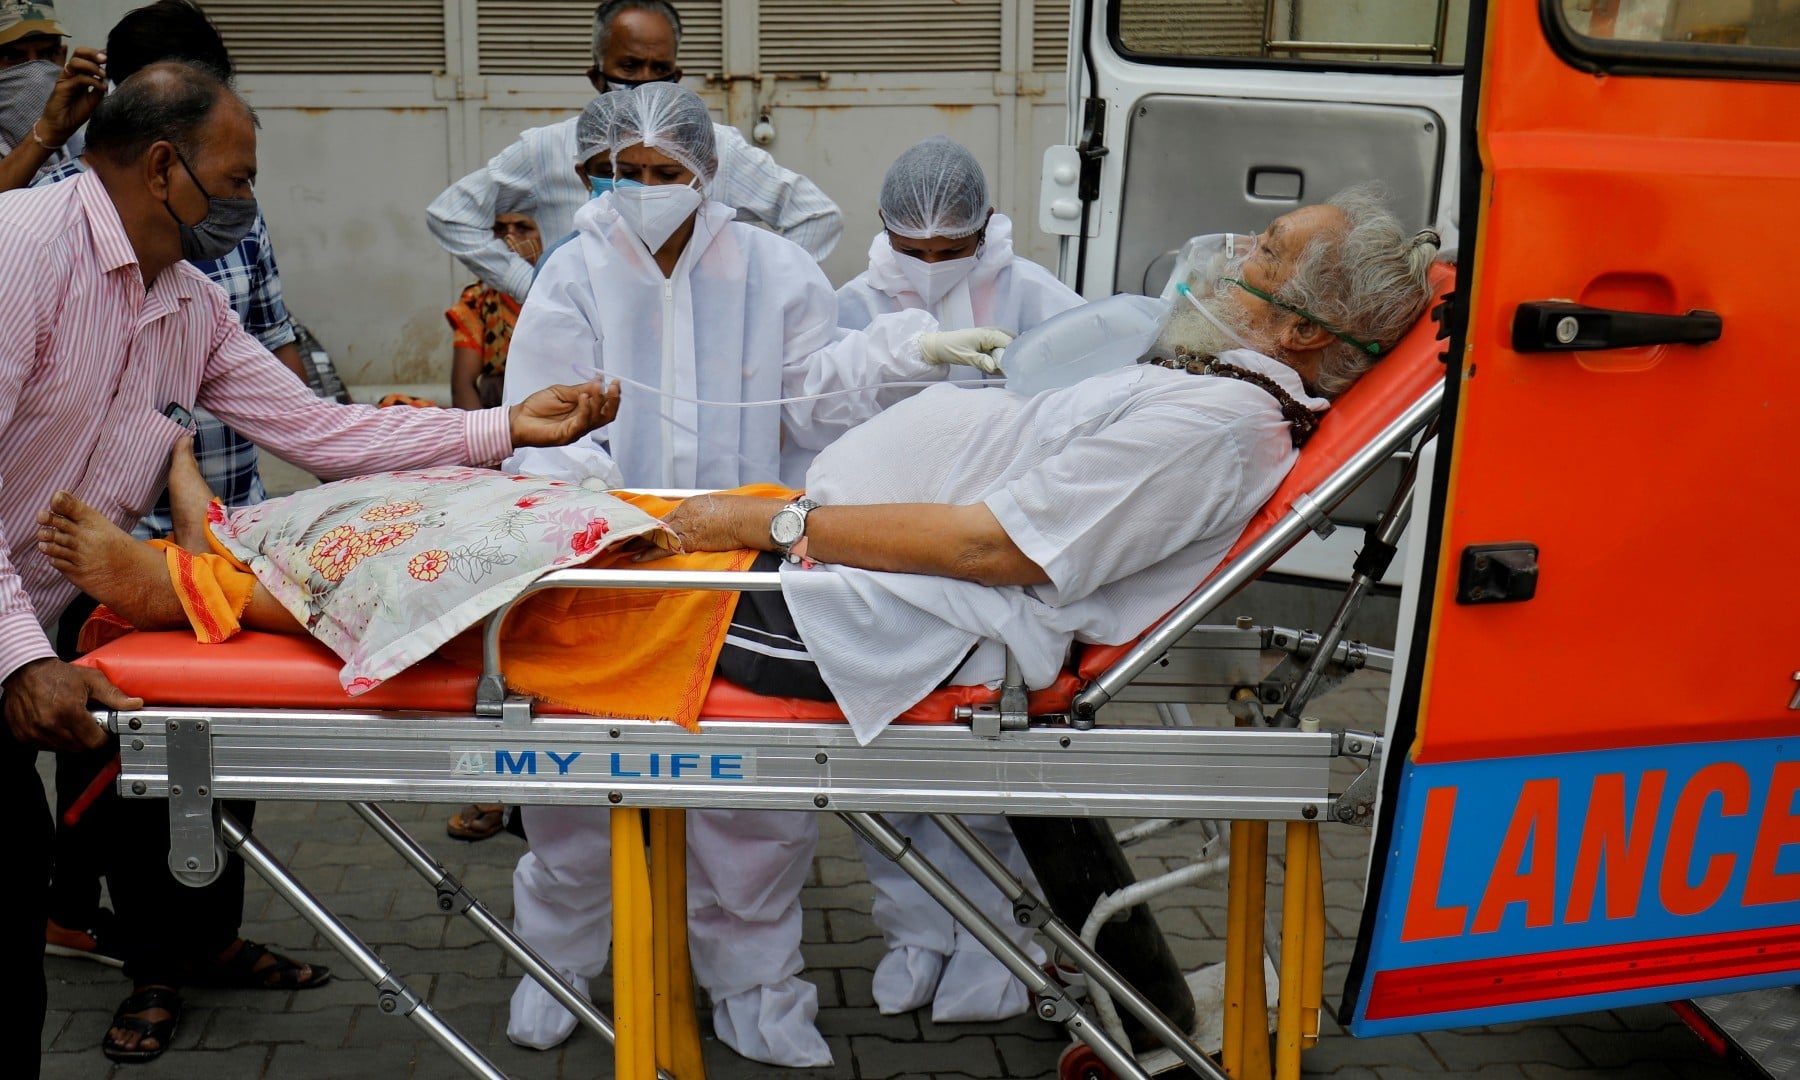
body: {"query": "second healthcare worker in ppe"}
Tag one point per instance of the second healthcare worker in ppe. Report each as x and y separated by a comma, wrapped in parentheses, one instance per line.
(944, 250)
(664, 290)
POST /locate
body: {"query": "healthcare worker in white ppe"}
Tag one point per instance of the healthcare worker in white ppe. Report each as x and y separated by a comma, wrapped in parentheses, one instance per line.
(662, 289)
(944, 250)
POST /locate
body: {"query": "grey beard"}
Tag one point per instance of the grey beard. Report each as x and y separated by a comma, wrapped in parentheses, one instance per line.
(1191, 332)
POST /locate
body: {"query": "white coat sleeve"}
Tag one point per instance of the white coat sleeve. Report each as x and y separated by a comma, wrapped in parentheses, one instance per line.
(1038, 294)
(557, 340)
(858, 302)
(462, 219)
(871, 361)
(752, 181)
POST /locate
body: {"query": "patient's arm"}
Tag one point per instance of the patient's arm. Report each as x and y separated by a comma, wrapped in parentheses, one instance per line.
(962, 542)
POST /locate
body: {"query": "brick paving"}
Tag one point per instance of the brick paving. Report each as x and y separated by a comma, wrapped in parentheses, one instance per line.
(338, 1032)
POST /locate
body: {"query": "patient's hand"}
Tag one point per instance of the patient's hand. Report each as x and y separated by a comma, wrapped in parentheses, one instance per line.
(557, 415)
(719, 523)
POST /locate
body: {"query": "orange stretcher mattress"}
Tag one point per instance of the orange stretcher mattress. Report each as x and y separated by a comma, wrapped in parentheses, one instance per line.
(282, 671)
(275, 671)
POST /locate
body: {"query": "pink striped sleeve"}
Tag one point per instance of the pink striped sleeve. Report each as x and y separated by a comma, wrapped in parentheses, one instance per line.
(25, 291)
(251, 390)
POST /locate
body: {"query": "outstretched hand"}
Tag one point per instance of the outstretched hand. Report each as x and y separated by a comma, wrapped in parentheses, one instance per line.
(558, 415)
(72, 100)
(46, 705)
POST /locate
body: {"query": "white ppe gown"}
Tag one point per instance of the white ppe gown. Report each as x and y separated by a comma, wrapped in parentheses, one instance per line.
(745, 316)
(930, 958)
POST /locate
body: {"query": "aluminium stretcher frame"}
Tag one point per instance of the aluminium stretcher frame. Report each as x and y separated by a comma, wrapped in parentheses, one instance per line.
(993, 759)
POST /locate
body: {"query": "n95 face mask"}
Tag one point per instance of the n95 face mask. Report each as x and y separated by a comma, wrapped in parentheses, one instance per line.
(654, 212)
(933, 281)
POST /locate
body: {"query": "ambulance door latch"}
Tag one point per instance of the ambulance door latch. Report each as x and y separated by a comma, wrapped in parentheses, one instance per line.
(1497, 574)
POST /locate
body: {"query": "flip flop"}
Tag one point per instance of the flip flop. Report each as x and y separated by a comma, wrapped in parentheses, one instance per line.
(166, 998)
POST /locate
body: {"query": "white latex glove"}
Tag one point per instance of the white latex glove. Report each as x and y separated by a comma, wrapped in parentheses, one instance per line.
(980, 347)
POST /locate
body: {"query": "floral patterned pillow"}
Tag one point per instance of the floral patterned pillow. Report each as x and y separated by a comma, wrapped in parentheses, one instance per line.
(386, 568)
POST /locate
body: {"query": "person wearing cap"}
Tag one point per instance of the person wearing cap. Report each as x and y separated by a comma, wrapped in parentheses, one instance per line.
(45, 95)
(698, 314)
(634, 44)
(943, 250)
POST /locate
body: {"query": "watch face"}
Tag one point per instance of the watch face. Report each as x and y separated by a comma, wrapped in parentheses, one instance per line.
(786, 526)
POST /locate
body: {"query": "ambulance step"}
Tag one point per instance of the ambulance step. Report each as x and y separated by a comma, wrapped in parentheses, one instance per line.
(1762, 1026)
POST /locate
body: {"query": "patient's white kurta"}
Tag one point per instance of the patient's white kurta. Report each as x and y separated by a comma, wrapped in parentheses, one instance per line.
(1127, 488)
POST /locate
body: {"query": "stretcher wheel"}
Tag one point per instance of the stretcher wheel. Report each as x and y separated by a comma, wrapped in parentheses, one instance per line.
(1079, 1062)
(200, 879)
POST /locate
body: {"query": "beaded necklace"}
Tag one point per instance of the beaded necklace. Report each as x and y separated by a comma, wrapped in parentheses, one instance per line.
(1302, 421)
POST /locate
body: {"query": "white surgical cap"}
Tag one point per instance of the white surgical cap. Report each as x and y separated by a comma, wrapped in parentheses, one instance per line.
(593, 130)
(935, 189)
(670, 119)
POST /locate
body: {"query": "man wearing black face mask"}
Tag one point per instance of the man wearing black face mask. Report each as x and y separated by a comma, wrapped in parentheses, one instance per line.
(109, 336)
(634, 42)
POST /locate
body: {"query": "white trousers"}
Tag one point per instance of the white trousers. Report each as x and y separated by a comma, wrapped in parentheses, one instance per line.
(930, 957)
(745, 872)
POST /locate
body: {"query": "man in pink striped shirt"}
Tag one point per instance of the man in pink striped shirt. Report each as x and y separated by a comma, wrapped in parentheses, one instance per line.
(104, 327)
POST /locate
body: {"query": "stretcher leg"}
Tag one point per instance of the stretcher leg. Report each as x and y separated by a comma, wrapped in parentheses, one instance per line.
(395, 996)
(634, 965)
(1065, 938)
(1052, 1002)
(1312, 1001)
(1254, 1015)
(1296, 895)
(453, 895)
(1231, 1055)
(677, 1025)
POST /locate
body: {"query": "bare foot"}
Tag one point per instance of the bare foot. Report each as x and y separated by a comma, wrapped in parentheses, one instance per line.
(189, 498)
(106, 563)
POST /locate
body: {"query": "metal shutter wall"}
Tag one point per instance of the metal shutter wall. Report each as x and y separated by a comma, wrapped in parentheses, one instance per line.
(1192, 27)
(1050, 34)
(803, 36)
(553, 37)
(329, 37)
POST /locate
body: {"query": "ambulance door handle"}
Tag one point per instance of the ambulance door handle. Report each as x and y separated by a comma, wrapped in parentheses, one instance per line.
(1558, 326)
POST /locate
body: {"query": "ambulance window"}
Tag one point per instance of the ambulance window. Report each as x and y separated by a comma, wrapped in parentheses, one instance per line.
(1292, 33)
(1675, 37)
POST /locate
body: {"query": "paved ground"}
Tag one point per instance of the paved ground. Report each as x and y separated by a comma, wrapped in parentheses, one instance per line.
(337, 1032)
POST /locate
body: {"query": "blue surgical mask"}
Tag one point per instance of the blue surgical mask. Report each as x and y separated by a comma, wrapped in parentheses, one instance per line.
(600, 185)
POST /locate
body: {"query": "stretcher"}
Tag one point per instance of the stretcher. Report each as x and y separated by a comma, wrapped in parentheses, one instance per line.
(264, 717)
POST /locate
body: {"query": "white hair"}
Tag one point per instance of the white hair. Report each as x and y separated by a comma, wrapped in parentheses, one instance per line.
(1366, 278)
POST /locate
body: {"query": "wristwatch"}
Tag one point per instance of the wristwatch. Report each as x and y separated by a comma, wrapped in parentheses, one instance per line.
(788, 526)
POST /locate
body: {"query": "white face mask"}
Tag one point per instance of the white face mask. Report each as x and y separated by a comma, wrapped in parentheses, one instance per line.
(933, 281)
(654, 212)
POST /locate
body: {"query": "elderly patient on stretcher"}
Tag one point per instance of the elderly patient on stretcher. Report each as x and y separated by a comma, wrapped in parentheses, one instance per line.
(955, 523)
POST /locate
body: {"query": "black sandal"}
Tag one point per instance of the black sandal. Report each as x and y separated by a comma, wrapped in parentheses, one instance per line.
(166, 998)
(242, 972)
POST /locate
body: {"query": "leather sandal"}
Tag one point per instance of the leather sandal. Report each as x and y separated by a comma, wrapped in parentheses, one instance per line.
(246, 971)
(166, 998)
